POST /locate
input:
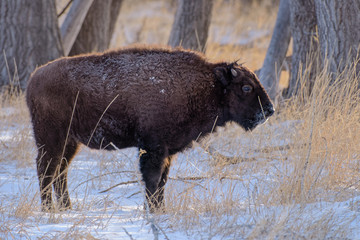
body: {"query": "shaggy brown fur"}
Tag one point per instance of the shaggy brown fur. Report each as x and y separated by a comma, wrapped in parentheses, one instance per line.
(158, 100)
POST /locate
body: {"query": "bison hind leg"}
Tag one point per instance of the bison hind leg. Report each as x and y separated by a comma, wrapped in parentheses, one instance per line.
(52, 170)
(46, 167)
(60, 180)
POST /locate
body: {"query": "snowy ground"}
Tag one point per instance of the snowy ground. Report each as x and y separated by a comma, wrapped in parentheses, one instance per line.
(118, 213)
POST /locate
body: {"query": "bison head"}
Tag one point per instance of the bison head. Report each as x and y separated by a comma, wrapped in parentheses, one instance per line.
(244, 99)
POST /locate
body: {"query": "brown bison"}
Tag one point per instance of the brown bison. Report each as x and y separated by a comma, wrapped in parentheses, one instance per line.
(156, 99)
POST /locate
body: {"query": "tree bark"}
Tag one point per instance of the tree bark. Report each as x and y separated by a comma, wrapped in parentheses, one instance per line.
(339, 32)
(191, 24)
(98, 27)
(275, 55)
(73, 23)
(29, 37)
(303, 29)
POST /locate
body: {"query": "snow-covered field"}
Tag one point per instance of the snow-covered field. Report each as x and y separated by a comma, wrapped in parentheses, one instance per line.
(221, 193)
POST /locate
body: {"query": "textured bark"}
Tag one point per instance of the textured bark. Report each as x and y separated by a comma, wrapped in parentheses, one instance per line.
(191, 24)
(98, 27)
(277, 50)
(73, 23)
(303, 29)
(29, 36)
(339, 31)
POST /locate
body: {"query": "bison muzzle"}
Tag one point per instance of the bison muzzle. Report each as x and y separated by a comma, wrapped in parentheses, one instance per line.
(156, 99)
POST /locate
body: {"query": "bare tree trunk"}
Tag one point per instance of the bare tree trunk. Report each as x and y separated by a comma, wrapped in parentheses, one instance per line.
(73, 23)
(276, 52)
(303, 28)
(339, 32)
(29, 37)
(191, 24)
(98, 27)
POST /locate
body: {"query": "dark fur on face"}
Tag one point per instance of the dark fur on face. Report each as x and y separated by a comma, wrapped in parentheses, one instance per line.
(247, 103)
(157, 99)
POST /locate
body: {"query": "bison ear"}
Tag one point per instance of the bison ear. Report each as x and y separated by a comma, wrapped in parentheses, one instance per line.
(221, 75)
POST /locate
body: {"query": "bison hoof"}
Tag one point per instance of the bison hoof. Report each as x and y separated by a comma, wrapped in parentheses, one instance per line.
(48, 208)
(63, 205)
(158, 208)
(62, 208)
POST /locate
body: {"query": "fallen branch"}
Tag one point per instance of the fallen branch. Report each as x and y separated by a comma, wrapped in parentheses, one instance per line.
(183, 179)
(155, 228)
(119, 184)
(102, 175)
(187, 178)
(136, 181)
(127, 233)
(133, 194)
(237, 159)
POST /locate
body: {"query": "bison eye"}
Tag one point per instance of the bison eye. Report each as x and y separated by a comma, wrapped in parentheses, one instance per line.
(247, 88)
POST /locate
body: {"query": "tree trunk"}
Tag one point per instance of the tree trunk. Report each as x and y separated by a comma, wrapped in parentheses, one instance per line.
(269, 73)
(98, 27)
(339, 32)
(29, 37)
(191, 24)
(73, 22)
(303, 28)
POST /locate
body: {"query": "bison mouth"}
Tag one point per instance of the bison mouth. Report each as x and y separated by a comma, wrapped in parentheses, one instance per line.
(260, 118)
(249, 124)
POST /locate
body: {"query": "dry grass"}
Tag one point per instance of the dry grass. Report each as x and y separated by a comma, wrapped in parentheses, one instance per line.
(280, 181)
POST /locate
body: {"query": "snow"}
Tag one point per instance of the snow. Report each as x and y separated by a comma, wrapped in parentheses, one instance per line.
(117, 213)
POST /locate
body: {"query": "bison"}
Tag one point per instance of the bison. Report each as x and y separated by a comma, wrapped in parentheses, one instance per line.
(156, 99)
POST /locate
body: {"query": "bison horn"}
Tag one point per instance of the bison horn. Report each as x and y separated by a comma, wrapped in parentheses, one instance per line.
(234, 72)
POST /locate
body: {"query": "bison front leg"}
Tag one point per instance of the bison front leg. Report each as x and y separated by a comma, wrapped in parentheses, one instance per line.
(153, 164)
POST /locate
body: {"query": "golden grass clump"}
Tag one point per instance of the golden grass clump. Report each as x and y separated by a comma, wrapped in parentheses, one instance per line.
(329, 135)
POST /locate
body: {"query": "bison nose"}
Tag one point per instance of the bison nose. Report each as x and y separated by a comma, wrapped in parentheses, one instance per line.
(269, 110)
